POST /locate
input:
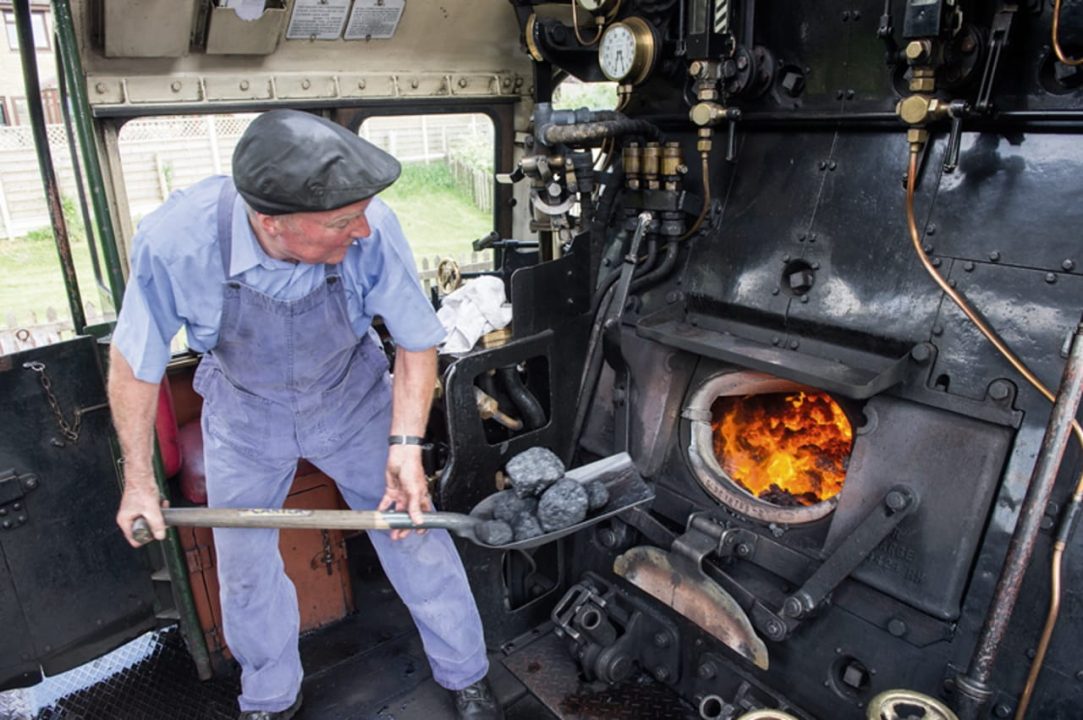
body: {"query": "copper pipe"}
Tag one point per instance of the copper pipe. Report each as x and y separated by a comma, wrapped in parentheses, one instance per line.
(1061, 55)
(575, 24)
(1017, 363)
(1047, 632)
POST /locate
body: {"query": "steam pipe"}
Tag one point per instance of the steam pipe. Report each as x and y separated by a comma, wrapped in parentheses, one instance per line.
(581, 133)
(529, 408)
(27, 54)
(669, 261)
(973, 687)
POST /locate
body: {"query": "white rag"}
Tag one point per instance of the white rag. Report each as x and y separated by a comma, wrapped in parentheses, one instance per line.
(471, 311)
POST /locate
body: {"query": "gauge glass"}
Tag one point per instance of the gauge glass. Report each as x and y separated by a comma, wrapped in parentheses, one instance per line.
(616, 52)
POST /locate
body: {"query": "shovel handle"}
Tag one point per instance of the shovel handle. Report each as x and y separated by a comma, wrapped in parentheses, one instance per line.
(302, 519)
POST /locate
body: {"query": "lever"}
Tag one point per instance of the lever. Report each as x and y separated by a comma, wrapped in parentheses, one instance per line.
(731, 140)
(956, 111)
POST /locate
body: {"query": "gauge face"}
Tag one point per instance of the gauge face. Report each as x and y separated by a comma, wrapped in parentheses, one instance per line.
(617, 51)
(627, 51)
(595, 6)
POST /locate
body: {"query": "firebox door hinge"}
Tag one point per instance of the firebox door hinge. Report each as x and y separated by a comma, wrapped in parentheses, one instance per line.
(13, 490)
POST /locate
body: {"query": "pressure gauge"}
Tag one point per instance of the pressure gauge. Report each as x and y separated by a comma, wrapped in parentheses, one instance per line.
(628, 50)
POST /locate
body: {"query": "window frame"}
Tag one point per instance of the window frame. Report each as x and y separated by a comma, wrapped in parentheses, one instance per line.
(13, 33)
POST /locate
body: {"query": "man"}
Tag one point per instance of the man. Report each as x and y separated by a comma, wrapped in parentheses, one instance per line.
(278, 288)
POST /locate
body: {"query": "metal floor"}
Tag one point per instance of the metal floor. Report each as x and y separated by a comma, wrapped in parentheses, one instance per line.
(370, 666)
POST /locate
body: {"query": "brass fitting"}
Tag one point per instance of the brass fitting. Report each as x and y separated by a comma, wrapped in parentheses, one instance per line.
(922, 79)
(917, 137)
(652, 157)
(671, 158)
(918, 51)
(706, 114)
(631, 159)
(703, 144)
(921, 109)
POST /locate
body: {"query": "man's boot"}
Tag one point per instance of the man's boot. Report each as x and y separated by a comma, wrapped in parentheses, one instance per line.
(476, 702)
(274, 715)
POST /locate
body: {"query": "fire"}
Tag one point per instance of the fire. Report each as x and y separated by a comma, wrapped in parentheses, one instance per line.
(789, 449)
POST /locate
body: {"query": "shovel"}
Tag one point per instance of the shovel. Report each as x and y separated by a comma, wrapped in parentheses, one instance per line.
(622, 480)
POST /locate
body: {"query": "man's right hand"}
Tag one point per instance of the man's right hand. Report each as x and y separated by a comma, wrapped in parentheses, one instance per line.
(140, 499)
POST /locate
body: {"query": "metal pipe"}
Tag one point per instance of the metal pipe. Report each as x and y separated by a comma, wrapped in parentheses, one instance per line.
(1044, 476)
(581, 133)
(68, 49)
(529, 408)
(27, 54)
(77, 170)
(1061, 55)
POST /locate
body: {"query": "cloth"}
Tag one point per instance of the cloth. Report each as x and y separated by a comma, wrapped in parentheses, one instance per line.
(471, 311)
(290, 161)
(290, 379)
(177, 269)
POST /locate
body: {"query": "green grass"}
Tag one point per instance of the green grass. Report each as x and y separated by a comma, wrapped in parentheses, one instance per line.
(31, 281)
(437, 217)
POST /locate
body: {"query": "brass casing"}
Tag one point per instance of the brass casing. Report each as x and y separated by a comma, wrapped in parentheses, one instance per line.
(652, 163)
(671, 158)
(705, 114)
(920, 109)
(646, 49)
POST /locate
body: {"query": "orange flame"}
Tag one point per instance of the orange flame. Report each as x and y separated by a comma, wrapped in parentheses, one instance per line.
(788, 449)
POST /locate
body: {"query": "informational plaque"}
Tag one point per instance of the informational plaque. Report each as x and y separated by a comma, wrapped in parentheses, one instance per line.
(317, 19)
(374, 19)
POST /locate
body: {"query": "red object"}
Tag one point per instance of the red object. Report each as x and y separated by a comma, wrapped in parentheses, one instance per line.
(165, 425)
(193, 481)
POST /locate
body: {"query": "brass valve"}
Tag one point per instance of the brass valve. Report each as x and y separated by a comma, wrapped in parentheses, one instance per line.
(921, 109)
(706, 114)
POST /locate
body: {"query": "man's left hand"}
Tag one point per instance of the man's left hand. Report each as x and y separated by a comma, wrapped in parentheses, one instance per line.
(407, 487)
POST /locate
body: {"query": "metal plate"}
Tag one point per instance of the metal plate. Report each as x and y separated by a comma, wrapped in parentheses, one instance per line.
(548, 671)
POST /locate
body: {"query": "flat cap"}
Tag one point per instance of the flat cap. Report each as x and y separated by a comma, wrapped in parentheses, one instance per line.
(289, 161)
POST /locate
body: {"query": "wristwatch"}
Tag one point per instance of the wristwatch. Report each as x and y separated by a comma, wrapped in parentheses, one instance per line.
(405, 440)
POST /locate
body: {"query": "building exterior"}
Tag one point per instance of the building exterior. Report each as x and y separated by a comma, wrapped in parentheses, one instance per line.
(13, 108)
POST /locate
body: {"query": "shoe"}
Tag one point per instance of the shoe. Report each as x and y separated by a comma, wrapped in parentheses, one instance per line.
(476, 702)
(275, 714)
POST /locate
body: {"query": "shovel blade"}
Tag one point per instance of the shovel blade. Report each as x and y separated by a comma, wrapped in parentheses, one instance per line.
(686, 589)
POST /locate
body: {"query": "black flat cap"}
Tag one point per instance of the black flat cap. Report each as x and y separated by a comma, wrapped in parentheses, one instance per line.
(289, 161)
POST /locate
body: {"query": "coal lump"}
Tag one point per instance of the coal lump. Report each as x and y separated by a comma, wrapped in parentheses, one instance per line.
(563, 504)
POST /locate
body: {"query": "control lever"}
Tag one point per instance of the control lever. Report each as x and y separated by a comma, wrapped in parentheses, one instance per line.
(998, 38)
(731, 139)
(956, 111)
(493, 241)
(881, 520)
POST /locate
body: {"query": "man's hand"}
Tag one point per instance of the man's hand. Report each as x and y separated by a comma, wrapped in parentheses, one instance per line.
(407, 486)
(140, 499)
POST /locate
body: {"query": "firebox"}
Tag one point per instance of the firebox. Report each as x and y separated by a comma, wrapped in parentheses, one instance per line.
(769, 448)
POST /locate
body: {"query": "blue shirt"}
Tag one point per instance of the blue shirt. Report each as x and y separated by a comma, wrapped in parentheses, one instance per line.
(176, 279)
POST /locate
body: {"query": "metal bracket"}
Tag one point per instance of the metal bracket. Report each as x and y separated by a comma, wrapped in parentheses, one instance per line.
(998, 39)
(13, 489)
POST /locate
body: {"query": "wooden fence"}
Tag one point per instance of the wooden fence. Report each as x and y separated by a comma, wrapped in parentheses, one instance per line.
(18, 334)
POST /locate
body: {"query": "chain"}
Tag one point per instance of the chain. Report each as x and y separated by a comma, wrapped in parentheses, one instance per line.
(71, 432)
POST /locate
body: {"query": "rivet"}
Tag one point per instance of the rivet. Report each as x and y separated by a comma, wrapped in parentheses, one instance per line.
(832, 165)
(952, 283)
(244, 85)
(804, 298)
(463, 82)
(931, 230)
(815, 266)
(175, 86)
(801, 237)
(968, 266)
(845, 15)
(794, 344)
(849, 94)
(361, 84)
(994, 256)
(936, 262)
(1050, 278)
(823, 165)
(506, 82)
(1031, 652)
(6, 525)
(306, 84)
(16, 506)
(785, 258)
(100, 88)
(776, 340)
(927, 248)
(856, 15)
(839, 94)
(415, 83)
(1068, 265)
(774, 291)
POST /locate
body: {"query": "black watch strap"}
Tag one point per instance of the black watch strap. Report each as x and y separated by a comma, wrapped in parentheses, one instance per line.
(405, 440)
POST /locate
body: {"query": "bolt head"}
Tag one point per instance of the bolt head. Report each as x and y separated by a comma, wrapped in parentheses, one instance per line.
(661, 639)
(706, 671)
